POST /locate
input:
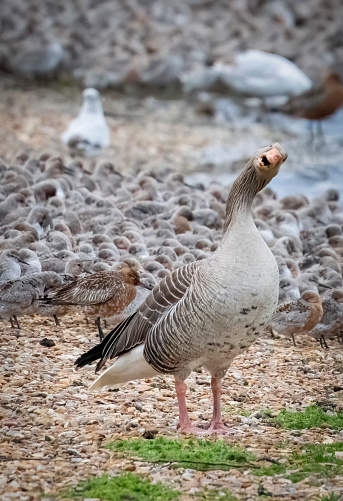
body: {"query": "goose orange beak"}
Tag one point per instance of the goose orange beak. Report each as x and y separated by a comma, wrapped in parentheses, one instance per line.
(273, 156)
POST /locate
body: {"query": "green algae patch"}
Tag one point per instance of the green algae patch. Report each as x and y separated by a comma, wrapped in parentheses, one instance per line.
(312, 417)
(194, 453)
(126, 487)
(319, 460)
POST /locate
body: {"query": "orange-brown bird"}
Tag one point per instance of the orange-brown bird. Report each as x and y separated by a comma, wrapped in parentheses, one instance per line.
(318, 103)
(299, 316)
(102, 294)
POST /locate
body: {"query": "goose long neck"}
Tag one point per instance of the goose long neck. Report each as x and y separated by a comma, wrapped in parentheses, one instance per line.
(242, 194)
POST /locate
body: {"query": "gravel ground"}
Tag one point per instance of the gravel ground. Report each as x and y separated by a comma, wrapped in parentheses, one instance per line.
(52, 429)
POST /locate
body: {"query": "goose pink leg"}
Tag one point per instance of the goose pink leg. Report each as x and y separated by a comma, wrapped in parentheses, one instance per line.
(216, 424)
(185, 425)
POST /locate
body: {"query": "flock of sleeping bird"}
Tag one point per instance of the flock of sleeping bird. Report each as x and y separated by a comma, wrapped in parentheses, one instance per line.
(185, 275)
(99, 242)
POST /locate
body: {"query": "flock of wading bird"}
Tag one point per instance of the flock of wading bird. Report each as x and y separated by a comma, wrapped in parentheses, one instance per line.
(186, 276)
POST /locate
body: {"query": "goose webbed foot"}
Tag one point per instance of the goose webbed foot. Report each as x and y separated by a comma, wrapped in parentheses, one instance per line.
(216, 425)
(219, 428)
(189, 429)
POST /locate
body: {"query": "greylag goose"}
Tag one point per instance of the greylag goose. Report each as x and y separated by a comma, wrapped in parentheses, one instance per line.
(101, 294)
(298, 316)
(206, 312)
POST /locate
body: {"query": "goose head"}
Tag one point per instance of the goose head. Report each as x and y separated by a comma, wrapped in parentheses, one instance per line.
(259, 171)
(267, 162)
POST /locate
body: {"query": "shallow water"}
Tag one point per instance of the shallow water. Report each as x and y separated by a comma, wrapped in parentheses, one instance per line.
(155, 133)
(311, 168)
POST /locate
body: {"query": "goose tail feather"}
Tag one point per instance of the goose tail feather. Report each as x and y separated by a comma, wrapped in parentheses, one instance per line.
(128, 367)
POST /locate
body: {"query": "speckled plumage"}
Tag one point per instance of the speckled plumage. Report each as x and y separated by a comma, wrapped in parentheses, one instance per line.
(298, 316)
(332, 320)
(19, 297)
(101, 295)
(99, 288)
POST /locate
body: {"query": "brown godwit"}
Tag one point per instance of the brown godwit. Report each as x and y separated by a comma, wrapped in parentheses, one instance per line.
(332, 320)
(102, 294)
(317, 104)
(20, 296)
(298, 316)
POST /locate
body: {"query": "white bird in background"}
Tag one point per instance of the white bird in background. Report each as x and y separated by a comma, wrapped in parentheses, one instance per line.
(262, 74)
(252, 73)
(88, 133)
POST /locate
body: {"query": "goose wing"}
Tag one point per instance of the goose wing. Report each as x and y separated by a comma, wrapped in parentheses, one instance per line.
(135, 329)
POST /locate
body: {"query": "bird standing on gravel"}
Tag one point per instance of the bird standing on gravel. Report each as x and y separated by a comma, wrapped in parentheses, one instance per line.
(298, 316)
(332, 321)
(102, 294)
(88, 133)
(20, 297)
(206, 312)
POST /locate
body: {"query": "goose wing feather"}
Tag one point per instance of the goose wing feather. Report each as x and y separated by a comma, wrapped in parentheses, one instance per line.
(156, 307)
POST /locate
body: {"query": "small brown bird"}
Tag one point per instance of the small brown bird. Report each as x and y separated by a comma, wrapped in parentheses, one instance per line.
(102, 294)
(299, 316)
(317, 104)
(332, 322)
